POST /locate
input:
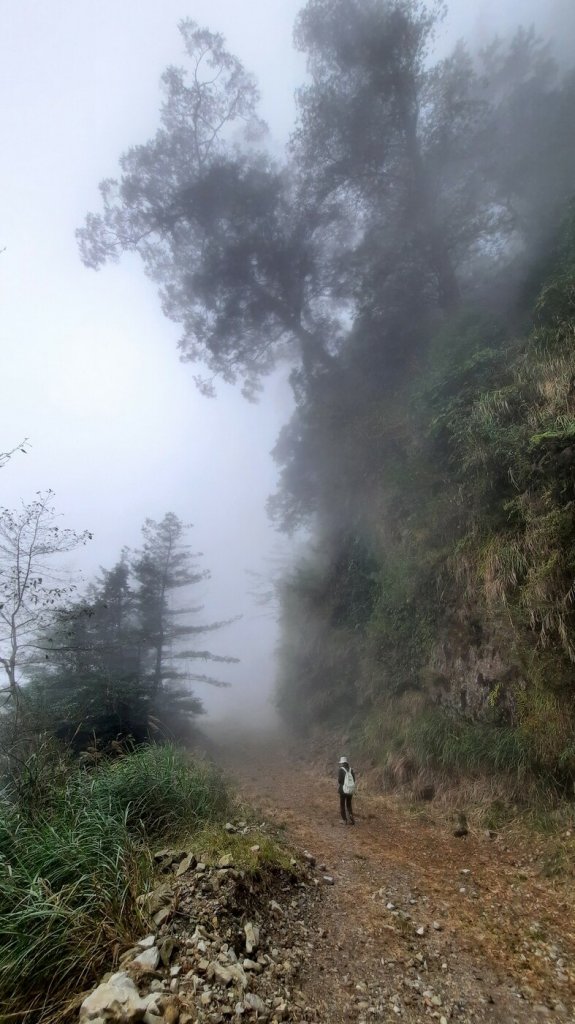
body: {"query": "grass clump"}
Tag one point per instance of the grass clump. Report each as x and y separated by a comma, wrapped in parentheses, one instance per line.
(68, 887)
(70, 875)
(443, 741)
(160, 790)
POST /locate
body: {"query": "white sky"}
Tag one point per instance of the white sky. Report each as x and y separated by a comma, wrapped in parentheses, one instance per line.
(89, 370)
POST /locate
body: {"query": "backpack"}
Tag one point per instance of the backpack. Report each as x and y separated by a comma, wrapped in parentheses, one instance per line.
(348, 782)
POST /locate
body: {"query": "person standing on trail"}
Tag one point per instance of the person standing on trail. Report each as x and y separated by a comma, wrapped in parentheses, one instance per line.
(346, 789)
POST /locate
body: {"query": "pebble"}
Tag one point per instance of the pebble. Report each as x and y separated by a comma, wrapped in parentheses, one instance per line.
(149, 959)
(251, 965)
(252, 934)
(254, 1002)
(263, 986)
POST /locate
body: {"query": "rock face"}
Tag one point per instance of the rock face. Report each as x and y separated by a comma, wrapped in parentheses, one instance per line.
(466, 666)
(231, 953)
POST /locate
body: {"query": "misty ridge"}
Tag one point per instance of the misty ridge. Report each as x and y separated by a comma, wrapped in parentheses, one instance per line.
(408, 259)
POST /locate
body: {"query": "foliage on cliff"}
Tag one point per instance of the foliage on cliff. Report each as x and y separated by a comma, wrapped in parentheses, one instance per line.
(458, 555)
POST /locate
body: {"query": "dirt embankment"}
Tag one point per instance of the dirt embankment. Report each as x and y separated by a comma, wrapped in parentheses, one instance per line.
(418, 925)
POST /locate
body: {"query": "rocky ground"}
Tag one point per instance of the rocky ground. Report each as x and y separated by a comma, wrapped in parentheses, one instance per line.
(420, 924)
(395, 919)
(228, 945)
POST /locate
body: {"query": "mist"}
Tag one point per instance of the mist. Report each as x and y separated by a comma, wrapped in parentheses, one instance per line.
(90, 365)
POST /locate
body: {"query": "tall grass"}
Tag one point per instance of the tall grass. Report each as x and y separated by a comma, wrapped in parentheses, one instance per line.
(160, 789)
(442, 741)
(68, 887)
(70, 875)
(409, 737)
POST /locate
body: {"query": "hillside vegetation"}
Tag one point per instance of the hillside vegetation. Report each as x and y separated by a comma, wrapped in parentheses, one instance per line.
(439, 618)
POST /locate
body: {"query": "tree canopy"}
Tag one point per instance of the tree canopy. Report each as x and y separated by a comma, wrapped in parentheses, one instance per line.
(403, 176)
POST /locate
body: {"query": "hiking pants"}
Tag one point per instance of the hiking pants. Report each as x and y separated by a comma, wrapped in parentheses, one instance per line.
(345, 806)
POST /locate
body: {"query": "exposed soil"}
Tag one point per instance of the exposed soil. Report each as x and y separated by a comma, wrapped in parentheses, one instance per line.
(498, 942)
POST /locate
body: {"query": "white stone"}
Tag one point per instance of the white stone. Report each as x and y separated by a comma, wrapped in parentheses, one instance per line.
(252, 934)
(115, 1000)
(186, 864)
(222, 975)
(149, 959)
(251, 965)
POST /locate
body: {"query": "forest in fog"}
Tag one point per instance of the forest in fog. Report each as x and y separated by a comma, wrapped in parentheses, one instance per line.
(403, 268)
(409, 261)
(411, 258)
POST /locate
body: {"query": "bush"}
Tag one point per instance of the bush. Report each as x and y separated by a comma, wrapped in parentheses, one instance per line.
(68, 885)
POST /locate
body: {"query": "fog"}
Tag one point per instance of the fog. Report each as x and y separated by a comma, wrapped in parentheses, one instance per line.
(89, 365)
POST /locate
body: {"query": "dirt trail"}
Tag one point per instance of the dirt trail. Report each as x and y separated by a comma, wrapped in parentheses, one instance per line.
(498, 942)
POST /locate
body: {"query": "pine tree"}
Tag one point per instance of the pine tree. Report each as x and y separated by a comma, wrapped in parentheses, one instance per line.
(167, 565)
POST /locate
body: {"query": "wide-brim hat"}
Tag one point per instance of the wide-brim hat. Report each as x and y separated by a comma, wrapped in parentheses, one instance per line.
(343, 760)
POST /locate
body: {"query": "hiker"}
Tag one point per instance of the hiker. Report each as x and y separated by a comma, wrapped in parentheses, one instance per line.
(346, 789)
